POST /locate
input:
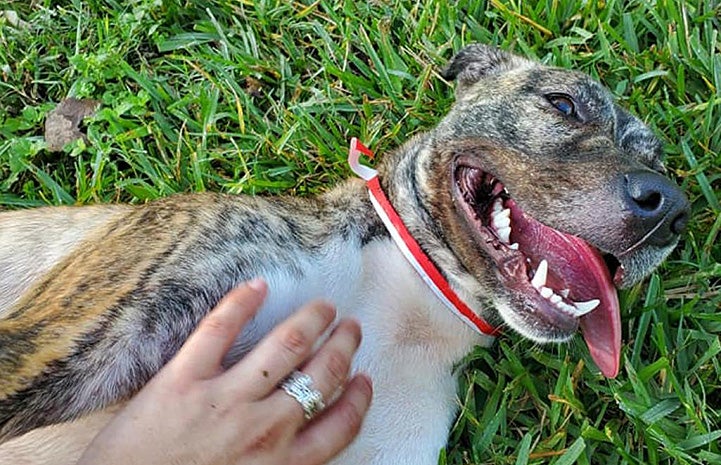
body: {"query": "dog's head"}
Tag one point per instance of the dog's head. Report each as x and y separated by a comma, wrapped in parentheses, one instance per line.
(542, 195)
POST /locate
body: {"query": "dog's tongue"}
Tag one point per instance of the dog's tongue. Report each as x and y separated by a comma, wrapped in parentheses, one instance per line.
(602, 327)
(575, 265)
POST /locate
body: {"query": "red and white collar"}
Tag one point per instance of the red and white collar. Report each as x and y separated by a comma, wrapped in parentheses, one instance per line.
(409, 246)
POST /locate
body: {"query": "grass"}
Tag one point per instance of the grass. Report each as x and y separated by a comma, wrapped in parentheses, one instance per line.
(263, 96)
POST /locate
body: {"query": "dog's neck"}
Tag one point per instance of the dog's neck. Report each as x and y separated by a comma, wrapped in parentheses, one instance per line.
(361, 270)
(403, 305)
(402, 211)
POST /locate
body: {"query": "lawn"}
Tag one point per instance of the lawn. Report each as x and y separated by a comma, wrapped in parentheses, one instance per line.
(261, 97)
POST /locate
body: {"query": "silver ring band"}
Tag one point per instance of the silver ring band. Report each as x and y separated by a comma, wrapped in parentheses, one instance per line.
(299, 386)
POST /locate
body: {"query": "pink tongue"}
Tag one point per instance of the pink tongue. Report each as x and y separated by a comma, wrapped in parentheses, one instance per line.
(575, 265)
(601, 328)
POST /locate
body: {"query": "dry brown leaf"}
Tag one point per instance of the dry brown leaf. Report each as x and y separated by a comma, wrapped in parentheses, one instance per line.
(62, 124)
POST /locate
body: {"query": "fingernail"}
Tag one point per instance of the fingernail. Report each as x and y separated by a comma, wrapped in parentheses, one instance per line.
(257, 284)
(366, 384)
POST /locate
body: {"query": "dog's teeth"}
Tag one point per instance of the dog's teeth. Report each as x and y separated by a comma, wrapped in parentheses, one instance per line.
(504, 234)
(583, 308)
(555, 298)
(570, 309)
(546, 292)
(539, 279)
(501, 218)
(513, 246)
(505, 213)
(565, 292)
(500, 221)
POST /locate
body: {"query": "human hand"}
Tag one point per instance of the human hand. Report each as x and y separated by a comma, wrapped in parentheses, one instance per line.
(194, 412)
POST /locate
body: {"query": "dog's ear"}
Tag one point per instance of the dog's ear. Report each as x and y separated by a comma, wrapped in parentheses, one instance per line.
(479, 61)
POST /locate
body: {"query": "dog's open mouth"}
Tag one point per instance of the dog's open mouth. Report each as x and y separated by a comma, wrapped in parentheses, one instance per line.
(562, 279)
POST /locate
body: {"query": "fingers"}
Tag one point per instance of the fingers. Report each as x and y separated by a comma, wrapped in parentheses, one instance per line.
(329, 367)
(286, 347)
(202, 354)
(331, 432)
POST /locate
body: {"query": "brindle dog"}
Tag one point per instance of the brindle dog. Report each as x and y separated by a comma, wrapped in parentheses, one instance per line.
(533, 196)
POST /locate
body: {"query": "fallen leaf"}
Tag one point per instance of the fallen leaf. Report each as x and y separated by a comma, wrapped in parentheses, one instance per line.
(62, 124)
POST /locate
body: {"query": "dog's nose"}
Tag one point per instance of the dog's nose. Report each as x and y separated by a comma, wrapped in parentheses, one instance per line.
(658, 205)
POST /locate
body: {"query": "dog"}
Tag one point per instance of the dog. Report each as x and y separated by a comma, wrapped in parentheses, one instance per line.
(533, 199)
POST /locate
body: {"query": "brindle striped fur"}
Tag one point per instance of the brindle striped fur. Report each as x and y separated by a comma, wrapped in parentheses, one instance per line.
(120, 303)
(94, 300)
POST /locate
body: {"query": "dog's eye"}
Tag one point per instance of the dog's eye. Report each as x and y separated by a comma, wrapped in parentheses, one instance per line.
(563, 103)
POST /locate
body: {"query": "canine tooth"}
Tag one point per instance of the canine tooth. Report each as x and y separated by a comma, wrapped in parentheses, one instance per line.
(555, 298)
(565, 292)
(504, 234)
(539, 279)
(513, 246)
(546, 292)
(586, 307)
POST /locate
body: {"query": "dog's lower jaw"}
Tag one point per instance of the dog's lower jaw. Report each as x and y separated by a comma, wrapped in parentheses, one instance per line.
(526, 329)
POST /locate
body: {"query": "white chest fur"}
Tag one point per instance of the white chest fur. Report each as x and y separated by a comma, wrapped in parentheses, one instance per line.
(410, 345)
